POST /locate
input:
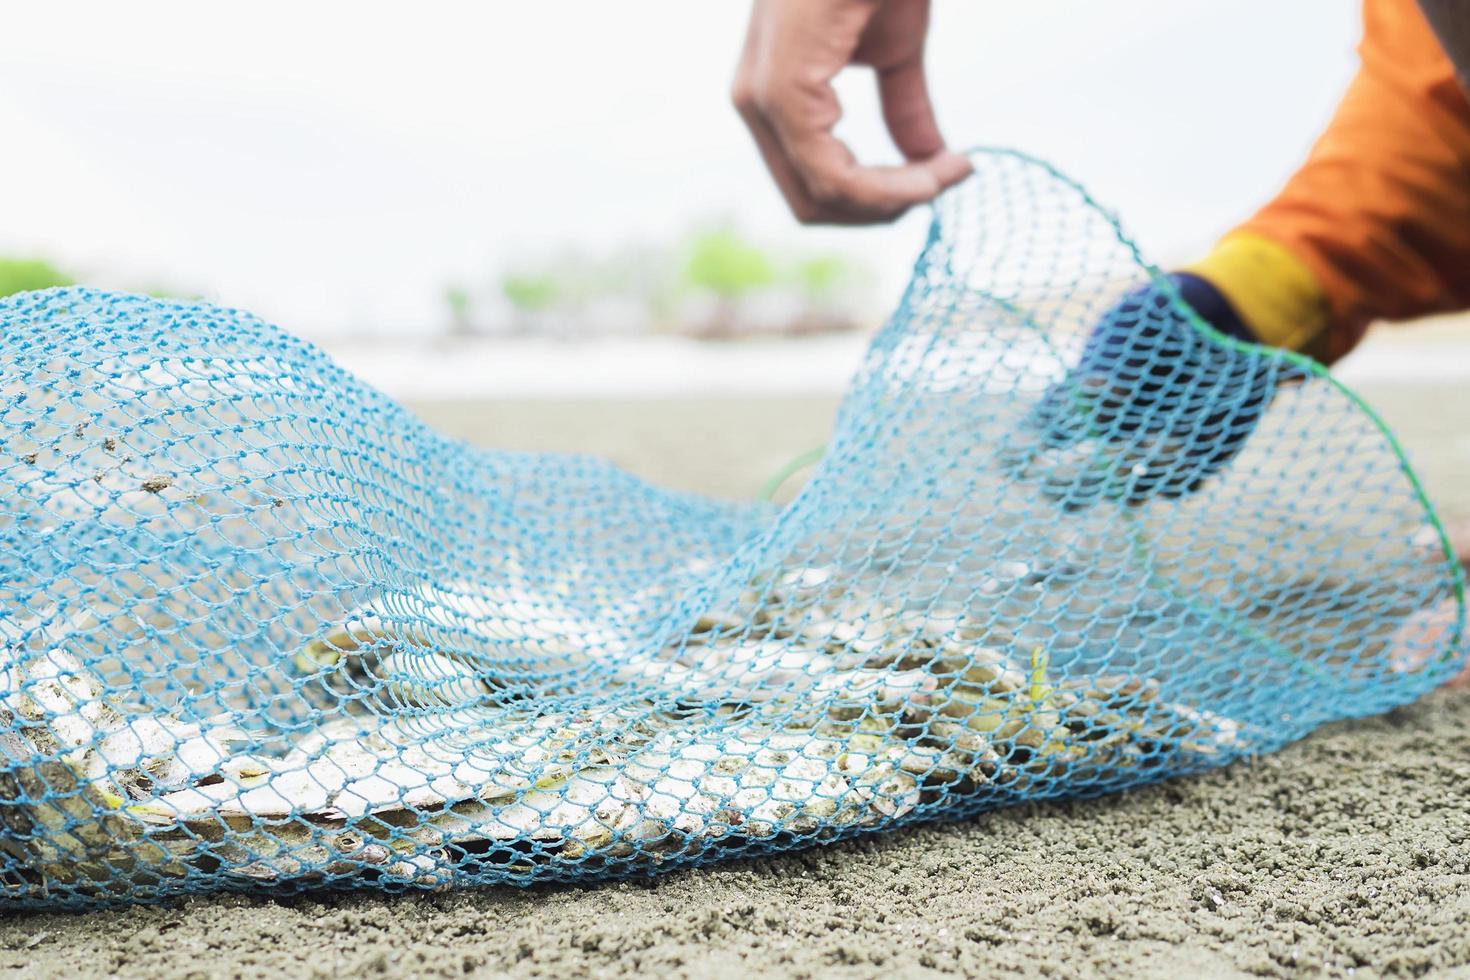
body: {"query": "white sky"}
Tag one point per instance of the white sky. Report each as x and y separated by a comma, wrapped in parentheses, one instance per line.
(333, 165)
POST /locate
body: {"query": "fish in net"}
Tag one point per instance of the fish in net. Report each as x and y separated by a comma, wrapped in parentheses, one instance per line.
(265, 630)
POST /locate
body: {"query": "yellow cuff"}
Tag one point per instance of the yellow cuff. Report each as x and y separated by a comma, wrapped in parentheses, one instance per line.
(1271, 289)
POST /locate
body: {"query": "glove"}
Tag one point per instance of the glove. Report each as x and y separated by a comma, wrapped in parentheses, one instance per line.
(1154, 406)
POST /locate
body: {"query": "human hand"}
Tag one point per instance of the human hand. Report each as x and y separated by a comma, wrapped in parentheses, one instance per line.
(1153, 407)
(783, 91)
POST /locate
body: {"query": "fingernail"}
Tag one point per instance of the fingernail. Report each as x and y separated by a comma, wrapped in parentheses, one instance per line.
(951, 168)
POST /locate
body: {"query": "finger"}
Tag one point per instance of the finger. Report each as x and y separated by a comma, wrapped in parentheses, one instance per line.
(907, 111)
(909, 116)
(949, 168)
(827, 185)
(788, 182)
(745, 93)
(845, 192)
(792, 120)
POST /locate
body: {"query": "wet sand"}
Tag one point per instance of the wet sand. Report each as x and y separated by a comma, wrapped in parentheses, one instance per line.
(1346, 853)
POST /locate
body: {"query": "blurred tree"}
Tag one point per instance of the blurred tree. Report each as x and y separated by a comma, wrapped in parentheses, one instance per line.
(727, 265)
(459, 302)
(718, 261)
(714, 283)
(531, 292)
(19, 275)
(823, 276)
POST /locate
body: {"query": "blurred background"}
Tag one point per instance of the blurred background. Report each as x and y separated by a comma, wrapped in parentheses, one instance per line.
(556, 201)
(570, 168)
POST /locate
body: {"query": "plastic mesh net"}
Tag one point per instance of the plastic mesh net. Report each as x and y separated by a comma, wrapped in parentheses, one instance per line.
(264, 629)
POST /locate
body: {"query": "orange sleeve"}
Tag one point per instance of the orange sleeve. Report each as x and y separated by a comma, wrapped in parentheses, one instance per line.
(1380, 211)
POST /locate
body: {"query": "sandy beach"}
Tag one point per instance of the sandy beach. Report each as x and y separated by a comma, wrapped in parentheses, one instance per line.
(1346, 854)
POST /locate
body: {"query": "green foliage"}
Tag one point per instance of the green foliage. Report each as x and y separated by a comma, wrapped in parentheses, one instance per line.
(669, 283)
(823, 276)
(20, 275)
(727, 265)
(531, 292)
(458, 299)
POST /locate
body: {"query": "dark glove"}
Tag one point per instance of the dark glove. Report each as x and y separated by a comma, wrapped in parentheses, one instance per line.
(1154, 407)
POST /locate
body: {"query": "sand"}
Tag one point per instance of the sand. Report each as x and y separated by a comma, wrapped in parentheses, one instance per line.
(1346, 854)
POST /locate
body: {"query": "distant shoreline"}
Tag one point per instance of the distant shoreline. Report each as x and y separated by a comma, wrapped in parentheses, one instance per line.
(675, 367)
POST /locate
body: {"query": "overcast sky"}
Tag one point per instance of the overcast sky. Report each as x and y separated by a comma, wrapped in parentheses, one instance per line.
(334, 165)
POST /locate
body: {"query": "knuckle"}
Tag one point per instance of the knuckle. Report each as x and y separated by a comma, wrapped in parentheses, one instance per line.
(765, 97)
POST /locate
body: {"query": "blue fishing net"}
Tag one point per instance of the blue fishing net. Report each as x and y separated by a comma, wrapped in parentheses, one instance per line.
(263, 629)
